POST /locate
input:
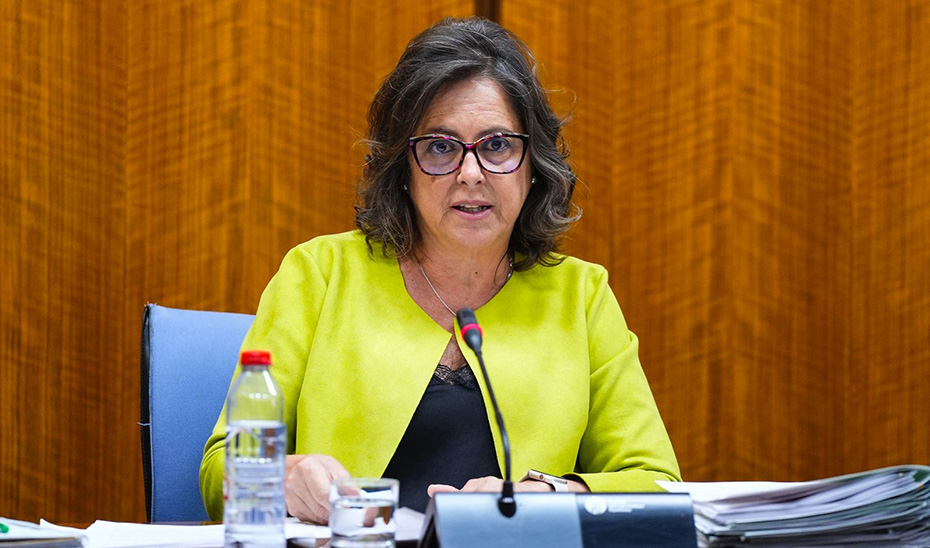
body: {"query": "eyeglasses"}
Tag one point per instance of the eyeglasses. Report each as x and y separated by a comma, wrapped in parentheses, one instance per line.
(500, 153)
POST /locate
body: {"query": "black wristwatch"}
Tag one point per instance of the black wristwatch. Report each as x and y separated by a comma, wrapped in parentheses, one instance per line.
(559, 485)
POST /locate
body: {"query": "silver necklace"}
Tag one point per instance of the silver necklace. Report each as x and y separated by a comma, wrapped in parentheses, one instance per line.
(438, 296)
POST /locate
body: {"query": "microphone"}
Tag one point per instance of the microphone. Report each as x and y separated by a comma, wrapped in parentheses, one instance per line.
(470, 330)
(472, 335)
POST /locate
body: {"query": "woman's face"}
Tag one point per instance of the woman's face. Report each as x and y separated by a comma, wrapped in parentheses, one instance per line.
(469, 210)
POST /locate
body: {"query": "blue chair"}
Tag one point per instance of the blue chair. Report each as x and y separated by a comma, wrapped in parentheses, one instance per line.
(188, 358)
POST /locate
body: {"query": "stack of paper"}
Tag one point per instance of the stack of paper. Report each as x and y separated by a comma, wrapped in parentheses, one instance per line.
(885, 507)
(14, 532)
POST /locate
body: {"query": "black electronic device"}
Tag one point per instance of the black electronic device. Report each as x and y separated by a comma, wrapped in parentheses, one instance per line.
(560, 520)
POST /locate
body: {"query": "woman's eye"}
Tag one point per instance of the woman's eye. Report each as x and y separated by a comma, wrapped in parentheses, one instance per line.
(439, 146)
(496, 144)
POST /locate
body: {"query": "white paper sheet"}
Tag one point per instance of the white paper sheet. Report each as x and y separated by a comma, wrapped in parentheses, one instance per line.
(112, 534)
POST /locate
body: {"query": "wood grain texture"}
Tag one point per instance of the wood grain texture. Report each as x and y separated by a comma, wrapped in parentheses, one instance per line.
(63, 390)
(890, 230)
(790, 322)
(756, 181)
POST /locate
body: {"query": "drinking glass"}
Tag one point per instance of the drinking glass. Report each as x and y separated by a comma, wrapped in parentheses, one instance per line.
(362, 512)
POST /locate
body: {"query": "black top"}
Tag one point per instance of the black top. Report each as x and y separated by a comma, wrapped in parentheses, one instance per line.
(447, 441)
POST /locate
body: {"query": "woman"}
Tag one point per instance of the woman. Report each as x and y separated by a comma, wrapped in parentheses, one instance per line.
(464, 197)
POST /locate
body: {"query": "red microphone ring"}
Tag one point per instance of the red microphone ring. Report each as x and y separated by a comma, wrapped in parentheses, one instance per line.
(469, 327)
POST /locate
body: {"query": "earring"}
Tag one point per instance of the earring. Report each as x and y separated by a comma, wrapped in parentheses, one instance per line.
(405, 188)
(532, 180)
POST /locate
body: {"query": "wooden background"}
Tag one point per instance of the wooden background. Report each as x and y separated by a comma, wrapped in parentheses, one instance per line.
(754, 174)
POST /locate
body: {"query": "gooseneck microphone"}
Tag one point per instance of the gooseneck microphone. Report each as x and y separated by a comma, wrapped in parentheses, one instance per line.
(472, 335)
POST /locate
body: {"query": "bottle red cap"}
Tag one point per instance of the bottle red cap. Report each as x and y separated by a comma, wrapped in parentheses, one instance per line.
(255, 357)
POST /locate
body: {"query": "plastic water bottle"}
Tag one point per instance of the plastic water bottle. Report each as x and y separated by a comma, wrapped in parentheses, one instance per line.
(254, 510)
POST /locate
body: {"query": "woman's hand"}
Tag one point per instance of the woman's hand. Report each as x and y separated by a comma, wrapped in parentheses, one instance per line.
(307, 480)
(493, 485)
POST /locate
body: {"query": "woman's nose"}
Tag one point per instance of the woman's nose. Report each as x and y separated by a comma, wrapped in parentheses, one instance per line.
(471, 171)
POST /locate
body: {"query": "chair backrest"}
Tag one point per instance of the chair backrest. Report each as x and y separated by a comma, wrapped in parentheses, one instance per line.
(188, 359)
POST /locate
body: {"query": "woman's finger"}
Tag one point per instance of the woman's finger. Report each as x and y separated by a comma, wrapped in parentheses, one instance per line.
(440, 488)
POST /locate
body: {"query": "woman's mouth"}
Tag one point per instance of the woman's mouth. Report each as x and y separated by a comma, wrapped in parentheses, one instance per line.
(472, 208)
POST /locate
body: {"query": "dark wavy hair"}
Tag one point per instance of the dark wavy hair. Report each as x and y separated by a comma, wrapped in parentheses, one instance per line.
(450, 51)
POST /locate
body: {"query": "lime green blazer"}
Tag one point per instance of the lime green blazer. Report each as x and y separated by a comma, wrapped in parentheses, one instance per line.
(353, 354)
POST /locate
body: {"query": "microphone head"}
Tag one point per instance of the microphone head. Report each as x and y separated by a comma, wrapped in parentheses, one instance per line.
(469, 329)
(466, 316)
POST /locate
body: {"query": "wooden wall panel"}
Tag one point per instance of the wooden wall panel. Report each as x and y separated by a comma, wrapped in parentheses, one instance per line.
(187, 166)
(890, 230)
(790, 240)
(63, 389)
(651, 83)
(756, 182)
